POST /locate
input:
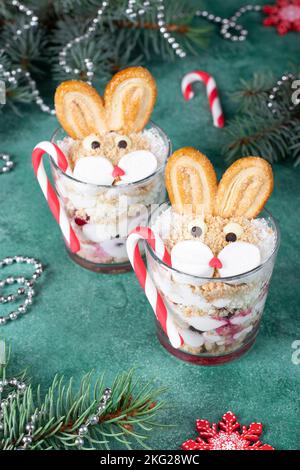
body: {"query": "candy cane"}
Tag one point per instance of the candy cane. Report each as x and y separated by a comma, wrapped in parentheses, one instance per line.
(212, 93)
(163, 316)
(55, 206)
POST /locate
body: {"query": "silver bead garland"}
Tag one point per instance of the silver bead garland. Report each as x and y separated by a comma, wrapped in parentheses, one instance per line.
(68, 47)
(276, 89)
(161, 21)
(13, 76)
(8, 163)
(229, 28)
(26, 288)
(19, 387)
(93, 419)
(133, 10)
(30, 427)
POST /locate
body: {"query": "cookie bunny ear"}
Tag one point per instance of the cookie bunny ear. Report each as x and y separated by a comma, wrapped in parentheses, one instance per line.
(79, 109)
(244, 188)
(129, 99)
(191, 181)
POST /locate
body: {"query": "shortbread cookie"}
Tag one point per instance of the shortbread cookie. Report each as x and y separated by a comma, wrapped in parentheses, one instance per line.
(244, 188)
(191, 182)
(80, 109)
(129, 99)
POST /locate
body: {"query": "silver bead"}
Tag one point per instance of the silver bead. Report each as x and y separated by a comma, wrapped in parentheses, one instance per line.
(83, 430)
(93, 420)
(27, 439)
(13, 315)
(22, 309)
(79, 441)
(31, 292)
(30, 427)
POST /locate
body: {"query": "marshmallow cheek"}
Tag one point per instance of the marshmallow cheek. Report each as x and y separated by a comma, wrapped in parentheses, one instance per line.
(137, 165)
(192, 257)
(238, 258)
(94, 170)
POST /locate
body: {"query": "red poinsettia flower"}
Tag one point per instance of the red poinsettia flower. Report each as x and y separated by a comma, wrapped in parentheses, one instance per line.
(226, 435)
(284, 15)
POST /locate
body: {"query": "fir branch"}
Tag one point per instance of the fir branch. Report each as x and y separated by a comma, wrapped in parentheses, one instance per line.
(128, 418)
(118, 42)
(256, 130)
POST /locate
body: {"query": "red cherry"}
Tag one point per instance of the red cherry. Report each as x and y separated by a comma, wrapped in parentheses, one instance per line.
(79, 221)
(215, 263)
(117, 171)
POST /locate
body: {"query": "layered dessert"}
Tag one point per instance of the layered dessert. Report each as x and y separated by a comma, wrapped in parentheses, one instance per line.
(116, 161)
(221, 253)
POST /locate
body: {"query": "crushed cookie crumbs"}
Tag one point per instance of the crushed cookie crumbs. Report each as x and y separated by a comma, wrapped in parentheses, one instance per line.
(108, 147)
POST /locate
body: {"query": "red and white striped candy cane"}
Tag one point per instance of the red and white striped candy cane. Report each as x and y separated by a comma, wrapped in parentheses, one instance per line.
(163, 316)
(212, 93)
(56, 208)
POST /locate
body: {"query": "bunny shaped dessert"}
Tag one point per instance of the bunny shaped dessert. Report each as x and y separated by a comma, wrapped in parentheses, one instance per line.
(113, 164)
(217, 259)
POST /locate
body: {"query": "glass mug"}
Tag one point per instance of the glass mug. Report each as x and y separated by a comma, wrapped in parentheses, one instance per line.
(216, 327)
(118, 209)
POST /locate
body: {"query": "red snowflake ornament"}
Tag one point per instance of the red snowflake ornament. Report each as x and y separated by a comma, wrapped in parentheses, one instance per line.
(285, 15)
(226, 435)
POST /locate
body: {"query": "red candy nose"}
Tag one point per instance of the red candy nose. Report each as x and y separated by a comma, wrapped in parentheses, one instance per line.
(117, 171)
(215, 263)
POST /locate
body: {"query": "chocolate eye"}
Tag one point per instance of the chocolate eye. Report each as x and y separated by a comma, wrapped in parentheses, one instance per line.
(232, 232)
(122, 144)
(122, 141)
(231, 237)
(91, 142)
(196, 228)
(196, 231)
(95, 144)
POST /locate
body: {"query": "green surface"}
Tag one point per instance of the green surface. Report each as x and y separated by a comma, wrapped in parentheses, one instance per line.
(82, 321)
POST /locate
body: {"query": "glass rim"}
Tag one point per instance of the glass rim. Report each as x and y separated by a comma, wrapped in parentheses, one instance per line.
(124, 185)
(218, 279)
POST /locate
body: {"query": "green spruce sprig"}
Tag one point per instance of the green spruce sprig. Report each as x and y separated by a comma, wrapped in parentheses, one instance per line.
(128, 419)
(256, 130)
(118, 42)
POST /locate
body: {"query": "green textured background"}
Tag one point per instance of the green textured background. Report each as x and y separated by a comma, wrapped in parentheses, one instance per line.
(82, 321)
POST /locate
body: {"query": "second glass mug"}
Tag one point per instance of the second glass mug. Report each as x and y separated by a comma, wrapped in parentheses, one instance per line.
(215, 329)
(119, 208)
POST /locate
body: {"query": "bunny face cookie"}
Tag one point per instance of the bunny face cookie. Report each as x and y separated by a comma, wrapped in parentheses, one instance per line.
(212, 233)
(107, 144)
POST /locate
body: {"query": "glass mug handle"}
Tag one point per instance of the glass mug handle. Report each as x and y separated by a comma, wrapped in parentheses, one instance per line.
(56, 208)
(154, 297)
